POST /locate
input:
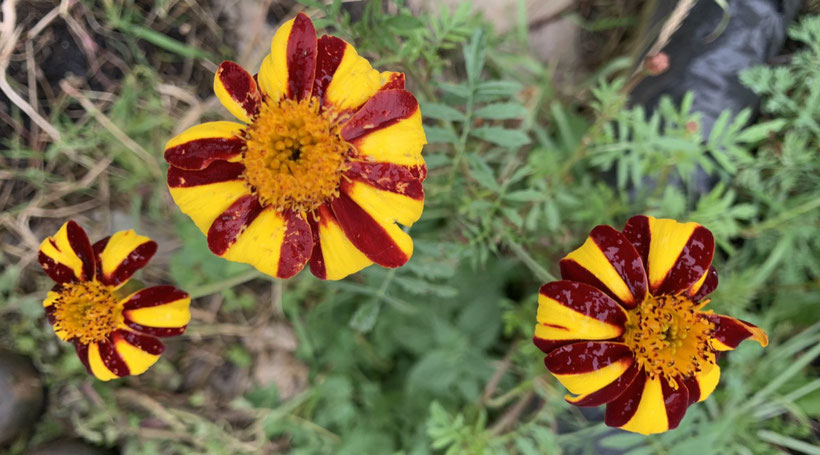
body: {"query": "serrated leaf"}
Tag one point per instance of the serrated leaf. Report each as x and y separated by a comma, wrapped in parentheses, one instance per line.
(364, 319)
(501, 136)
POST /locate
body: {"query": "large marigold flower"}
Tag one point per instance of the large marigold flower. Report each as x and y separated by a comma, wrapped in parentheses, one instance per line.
(327, 161)
(114, 334)
(626, 327)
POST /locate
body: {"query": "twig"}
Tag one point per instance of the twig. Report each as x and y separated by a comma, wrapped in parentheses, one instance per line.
(132, 145)
(8, 37)
(511, 416)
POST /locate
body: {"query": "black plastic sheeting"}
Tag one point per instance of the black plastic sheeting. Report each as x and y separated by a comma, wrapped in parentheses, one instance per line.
(755, 33)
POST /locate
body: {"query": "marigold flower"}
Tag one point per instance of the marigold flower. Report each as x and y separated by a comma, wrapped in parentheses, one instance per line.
(626, 327)
(114, 333)
(328, 160)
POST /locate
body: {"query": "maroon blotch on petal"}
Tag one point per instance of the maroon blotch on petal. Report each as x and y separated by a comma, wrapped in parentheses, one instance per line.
(112, 359)
(228, 226)
(240, 85)
(708, 286)
(329, 56)
(317, 260)
(693, 261)
(611, 391)
(366, 233)
(676, 401)
(218, 171)
(146, 343)
(391, 177)
(297, 245)
(624, 258)
(620, 410)
(199, 153)
(301, 57)
(384, 109)
(585, 356)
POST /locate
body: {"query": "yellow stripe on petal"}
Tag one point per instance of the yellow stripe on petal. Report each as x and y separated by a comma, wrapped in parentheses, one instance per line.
(273, 74)
(168, 315)
(708, 381)
(559, 322)
(650, 417)
(400, 143)
(204, 203)
(96, 364)
(586, 383)
(260, 245)
(341, 257)
(354, 81)
(590, 257)
(393, 206)
(119, 246)
(208, 130)
(63, 253)
(138, 361)
(667, 240)
(51, 297)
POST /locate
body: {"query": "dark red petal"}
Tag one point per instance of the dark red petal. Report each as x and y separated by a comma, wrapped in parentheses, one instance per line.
(241, 86)
(624, 258)
(396, 82)
(405, 180)
(82, 353)
(218, 171)
(301, 57)
(708, 286)
(692, 263)
(329, 55)
(676, 402)
(610, 392)
(585, 356)
(620, 410)
(385, 108)
(693, 387)
(317, 260)
(112, 359)
(227, 227)
(297, 245)
(58, 272)
(153, 296)
(199, 153)
(731, 331)
(637, 231)
(146, 343)
(135, 260)
(367, 234)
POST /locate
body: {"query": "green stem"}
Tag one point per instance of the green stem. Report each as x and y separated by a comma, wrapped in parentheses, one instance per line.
(543, 274)
(227, 283)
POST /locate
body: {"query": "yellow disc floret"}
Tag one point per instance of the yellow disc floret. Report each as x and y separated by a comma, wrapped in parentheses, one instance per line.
(669, 337)
(86, 312)
(295, 157)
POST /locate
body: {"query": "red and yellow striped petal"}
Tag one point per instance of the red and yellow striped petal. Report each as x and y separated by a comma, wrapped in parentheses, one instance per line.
(730, 332)
(352, 81)
(705, 285)
(610, 263)
(384, 205)
(392, 80)
(158, 311)
(124, 353)
(136, 350)
(569, 311)
(276, 244)
(609, 392)
(334, 255)
(589, 366)
(648, 406)
(118, 257)
(105, 362)
(388, 129)
(375, 234)
(702, 384)
(237, 91)
(199, 146)
(206, 194)
(67, 256)
(289, 70)
(675, 255)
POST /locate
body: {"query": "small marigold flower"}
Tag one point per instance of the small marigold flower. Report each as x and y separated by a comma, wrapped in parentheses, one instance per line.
(327, 161)
(113, 333)
(626, 327)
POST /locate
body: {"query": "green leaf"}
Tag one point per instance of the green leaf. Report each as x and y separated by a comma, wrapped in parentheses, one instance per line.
(438, 135)
(761, 131)
(441, 112)
(364, 319)
(501, 136)
(500, 111)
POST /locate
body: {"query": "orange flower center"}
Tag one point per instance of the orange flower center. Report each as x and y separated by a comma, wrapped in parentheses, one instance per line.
(295, 156)
(669, 337)
(86, 311)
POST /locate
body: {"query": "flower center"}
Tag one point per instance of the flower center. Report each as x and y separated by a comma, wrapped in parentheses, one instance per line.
(86, 311)
(670, 338)
(295, 157)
